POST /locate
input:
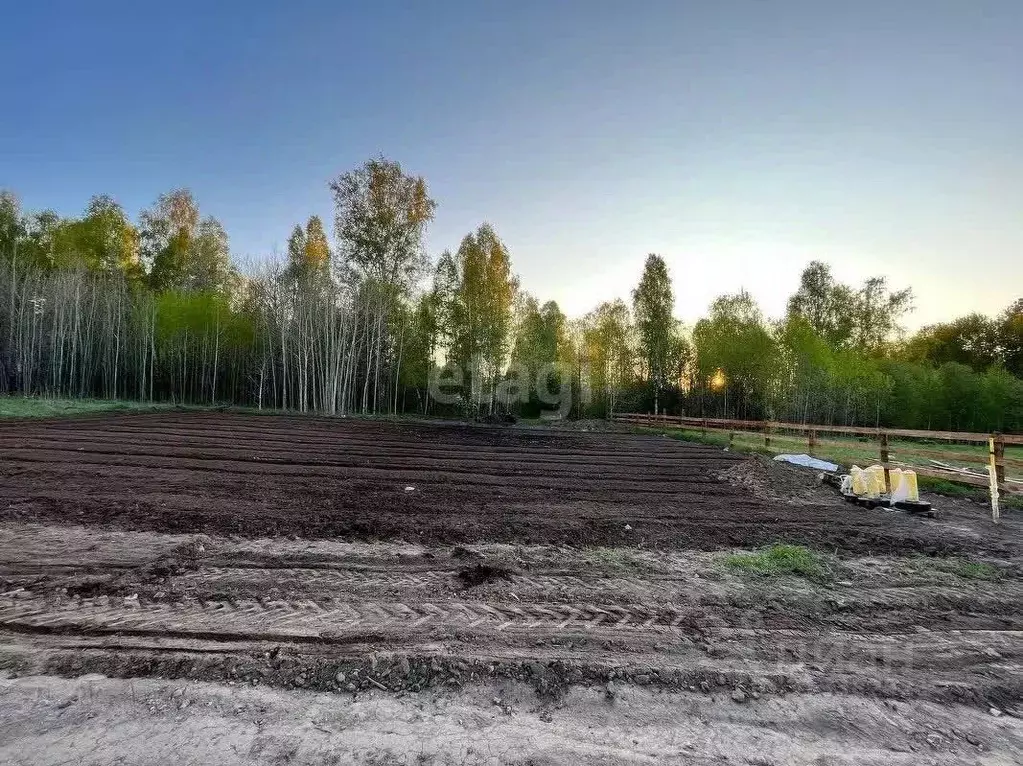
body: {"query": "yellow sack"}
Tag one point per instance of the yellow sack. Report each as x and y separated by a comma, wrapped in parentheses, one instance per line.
(905, 488)
(859, 481)
(875, 481)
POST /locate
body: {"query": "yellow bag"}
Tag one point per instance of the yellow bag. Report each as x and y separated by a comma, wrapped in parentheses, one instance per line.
(905, 488)
(875, 481)
(859, 481)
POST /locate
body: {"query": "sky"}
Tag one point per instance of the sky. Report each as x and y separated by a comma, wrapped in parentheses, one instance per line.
(739, 139)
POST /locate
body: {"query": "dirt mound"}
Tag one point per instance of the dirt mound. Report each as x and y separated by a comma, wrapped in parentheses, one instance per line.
(765, 477)
(478, 574)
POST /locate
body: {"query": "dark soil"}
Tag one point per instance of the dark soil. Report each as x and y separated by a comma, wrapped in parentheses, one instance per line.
(230, 474)
(478, 574)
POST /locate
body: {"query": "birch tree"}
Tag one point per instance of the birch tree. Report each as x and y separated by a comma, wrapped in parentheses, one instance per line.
(653, 302)
(380, 219)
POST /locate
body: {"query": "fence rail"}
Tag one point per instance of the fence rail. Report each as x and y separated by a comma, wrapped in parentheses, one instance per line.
(993, 462)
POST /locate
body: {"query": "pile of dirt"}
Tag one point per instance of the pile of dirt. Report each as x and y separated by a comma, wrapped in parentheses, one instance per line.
(776, 480)
(479, 574)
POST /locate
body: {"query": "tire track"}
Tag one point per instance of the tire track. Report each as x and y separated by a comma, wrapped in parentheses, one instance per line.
(306, 618)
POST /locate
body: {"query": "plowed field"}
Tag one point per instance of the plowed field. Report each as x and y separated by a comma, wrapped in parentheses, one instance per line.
(509, 571)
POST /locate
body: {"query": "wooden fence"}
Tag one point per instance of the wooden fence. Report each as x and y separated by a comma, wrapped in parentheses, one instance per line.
(994, 461)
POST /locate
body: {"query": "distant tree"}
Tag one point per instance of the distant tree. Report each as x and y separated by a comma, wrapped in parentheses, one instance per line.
(971, 340)
(175, 216)
(825, 305)
(653, 303)
(182, 250)
(735, 340)
(878, 313)
(1009, 332)
(609, 351)
(865, 318)
(209, 268)
(296, 251)
(317, 248)
(540, 344)
(420, 348)
(476, 291)
(308, 250)
(380, 219)
(104, 240)
(381, 215)
(12, 227)
(39, 245)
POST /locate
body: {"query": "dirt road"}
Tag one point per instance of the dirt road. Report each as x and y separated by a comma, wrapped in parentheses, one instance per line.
(492, 582)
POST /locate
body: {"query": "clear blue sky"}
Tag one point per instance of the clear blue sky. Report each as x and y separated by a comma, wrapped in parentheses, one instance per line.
(739, 139)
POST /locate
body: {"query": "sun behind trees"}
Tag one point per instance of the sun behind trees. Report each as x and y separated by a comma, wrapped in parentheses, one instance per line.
(155, 310)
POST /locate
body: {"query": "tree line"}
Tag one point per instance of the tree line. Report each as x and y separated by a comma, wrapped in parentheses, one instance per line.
(364, 322)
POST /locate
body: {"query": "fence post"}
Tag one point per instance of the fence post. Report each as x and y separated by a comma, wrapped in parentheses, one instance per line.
(1000, 461)
(811, 441)
(704, 431)
(993, 444)
(884, 461)
(731, 438)
(767, 433)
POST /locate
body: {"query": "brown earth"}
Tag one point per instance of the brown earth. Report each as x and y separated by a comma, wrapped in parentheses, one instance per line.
(573, 577)
(360, 480)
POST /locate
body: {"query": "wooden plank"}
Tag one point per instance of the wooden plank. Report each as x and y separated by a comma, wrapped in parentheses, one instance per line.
(938, 473)
(965, 457)
(758, 426)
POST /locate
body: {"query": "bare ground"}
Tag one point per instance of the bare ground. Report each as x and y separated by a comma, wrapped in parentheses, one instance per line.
(403, 578)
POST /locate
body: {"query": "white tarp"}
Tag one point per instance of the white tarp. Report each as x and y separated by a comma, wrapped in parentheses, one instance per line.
(807, 462)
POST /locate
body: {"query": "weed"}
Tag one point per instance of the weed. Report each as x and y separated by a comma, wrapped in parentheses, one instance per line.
(778, 560)
(962, 567)
(949, 488)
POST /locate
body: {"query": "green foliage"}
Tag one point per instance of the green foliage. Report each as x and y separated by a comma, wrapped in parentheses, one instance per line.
(844, 317)
(737, 357)
(381, 216)
(308, 251)
(97, 304)
(12, 227)
(43, 407)
(967, 491)
(540, 350)
(182, 250)
(607, 346)
(476, 291)
(779, 560)
(1010, 337)
(653, 303)
(961, 567)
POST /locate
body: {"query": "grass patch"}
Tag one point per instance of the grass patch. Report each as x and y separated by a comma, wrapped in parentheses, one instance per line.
(967, 492)
(38, 407)
(950, 488)
(779, 560)
(45, 407)
(962, 567)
